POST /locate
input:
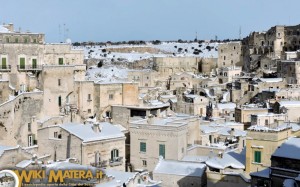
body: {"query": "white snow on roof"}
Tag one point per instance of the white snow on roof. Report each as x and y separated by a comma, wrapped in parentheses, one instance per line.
(231, 159)
(226, 105)
(3, 29)
(270, 80)
(289, 149)
(265, 173)
(24, 163)
(4, 148)
(290, 103)
(119, 177)
(179, 168)
(222, 129)
(226, 97)
(284, 126)
(87, 134)
(192, 158)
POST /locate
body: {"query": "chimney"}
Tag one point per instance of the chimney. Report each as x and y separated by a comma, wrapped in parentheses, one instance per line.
(150, 119)
(232, 132)
(96, 127)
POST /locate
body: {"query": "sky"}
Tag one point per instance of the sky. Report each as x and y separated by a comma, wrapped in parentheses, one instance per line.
(123, 20)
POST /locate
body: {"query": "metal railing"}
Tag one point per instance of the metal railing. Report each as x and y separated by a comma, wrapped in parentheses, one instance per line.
(30, 68)
(100, 164)
(116, 161)
(5, 67)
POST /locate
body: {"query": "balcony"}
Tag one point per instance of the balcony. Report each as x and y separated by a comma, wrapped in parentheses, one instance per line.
(100, 164)
(30, 68)
(5, 68)
(116, 161)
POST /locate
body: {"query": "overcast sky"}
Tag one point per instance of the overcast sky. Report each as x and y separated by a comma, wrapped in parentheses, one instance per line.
(119, 20)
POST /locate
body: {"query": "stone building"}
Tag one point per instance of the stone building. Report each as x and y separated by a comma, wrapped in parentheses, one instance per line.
(272, 44)
(243, 113)
(228, 74)
(145, 78)
(263, 141)
(284, 167)
(92, 143)
(167, 66)
(290, 70)
(230, 54)
(267, 119)
(191, 104)
(167, 137)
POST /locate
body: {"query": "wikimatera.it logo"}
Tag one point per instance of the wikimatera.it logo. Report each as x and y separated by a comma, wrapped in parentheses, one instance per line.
(61, 177)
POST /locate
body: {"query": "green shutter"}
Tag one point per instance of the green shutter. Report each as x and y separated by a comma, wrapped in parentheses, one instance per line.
(3, 63)
(60, 61)
(34, 64)
(22, 63)
(257, 156)
(142, 147)
(162, 150)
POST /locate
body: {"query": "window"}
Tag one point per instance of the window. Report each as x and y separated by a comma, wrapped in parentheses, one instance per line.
(25, 40)
(30, 140)
(7, 40)
(16, 40)
(111, 96)
(34, 40)
(89, 97)
(29, 127)
(55, 134)
(59, 82)
(223, 63)
(3, 63)
(59, 101)
(34, 64)
(22, 63)
(257, 156)
(266, 122)
(224, 57)
(114, 154)
(60, 61)
(89, 111)
(162, 150)
(143, 147)
(144, 162)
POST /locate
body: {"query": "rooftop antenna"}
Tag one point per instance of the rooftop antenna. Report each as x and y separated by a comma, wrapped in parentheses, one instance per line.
(64, 32)
(196, 36)
(240, 33)
(59, 33)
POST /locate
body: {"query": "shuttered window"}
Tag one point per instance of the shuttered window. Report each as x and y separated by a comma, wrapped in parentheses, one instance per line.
(257, 156)
(142, 147)
(22, 63)
(3, 63)
(162, 150)
(60, 61)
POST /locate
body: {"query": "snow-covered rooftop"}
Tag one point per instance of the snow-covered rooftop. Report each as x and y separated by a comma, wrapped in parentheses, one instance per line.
(265, 173)
(180, 168)
(3, 29)
(230, 159)
(223, 106)
(87, 134)
(288, 103)
(289, 149)
(119, 177)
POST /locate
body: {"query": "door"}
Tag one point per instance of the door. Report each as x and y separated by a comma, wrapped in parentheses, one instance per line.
(22, 63)
(34, 64)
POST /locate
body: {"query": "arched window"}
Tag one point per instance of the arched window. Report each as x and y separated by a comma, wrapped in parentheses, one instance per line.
(114, 154)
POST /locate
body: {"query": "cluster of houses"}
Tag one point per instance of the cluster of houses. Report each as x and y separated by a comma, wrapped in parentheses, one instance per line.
(189, 121)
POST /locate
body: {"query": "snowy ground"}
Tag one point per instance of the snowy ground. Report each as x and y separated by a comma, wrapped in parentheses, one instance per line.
(107, 74)
(167, 49)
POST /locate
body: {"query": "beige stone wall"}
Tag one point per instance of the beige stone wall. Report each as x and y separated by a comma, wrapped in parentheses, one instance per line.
(144, 78)
(53, 88)
(4, 91)
(10, 158)
(225, 180)
(267, 143)
(229, 54)
(84, 152)
(15, 116)
(167, 66)
(175, 141)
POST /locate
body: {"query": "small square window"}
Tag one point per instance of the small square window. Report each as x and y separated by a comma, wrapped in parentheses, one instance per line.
(111, 96)
(89, 111)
